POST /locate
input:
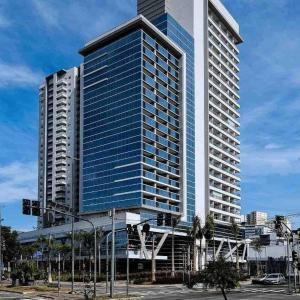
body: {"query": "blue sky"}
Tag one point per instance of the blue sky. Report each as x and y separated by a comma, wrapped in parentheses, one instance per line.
(39, 37)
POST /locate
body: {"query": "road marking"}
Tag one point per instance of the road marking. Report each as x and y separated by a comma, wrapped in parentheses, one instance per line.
(263, 290)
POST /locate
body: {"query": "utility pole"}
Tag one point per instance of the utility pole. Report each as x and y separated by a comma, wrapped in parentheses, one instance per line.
(153, 259)
(173, 254)
(73, 220)
(127, 265)
(99, 259)
(95, 241)
(106, 267)
(183, 264)
(58, 283)
(95, 261)
(288, 261)
(49, 259)
(189, 263)
(112, 272)
(99, 251)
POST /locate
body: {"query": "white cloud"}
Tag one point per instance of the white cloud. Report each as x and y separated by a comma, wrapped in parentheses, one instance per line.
(18, 75)
(272, 146)
(79, 19)
(18, 180)
(270, 161)
(258, 112)
(47, 12)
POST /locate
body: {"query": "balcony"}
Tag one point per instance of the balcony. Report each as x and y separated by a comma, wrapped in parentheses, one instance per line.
(149, 175)
(61, 95)
(149, 148)
(61, 148)
(149, 108)
(149, 54)
(161, 205)
(60, 182)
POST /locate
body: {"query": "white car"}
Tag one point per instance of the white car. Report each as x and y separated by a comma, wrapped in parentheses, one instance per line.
(259, 280)
(274, 278)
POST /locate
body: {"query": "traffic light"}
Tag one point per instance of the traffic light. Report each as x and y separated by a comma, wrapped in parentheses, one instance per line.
(26, 207)
(146, 228)
(175, 221)
(168, 220)
(160, 219)
(129, 229)
(278, 225)
(36, 208)
(295, 256)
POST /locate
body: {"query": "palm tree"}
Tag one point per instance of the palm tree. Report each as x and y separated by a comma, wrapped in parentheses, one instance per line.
(209, 233)
(64, 250)
(41, 244)
(236, 230)
(88, 242)
(257, 246)
(48, 243)
(78, 236)
(196, 233)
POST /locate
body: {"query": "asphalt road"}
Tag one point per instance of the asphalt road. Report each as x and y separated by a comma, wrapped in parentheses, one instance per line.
(245, 292)
(175, 292)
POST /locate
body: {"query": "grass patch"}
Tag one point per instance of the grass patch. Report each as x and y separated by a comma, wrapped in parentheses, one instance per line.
(28, 289)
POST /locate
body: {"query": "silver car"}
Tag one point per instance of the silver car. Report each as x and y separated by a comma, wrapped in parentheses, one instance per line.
(274, 278)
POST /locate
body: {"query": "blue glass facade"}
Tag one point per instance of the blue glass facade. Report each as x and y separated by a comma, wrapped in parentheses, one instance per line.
(185, 41)
(132, 136)
(112, 127)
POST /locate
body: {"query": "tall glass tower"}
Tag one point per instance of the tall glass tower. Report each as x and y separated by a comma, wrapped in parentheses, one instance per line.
(134, 122)
(160, 113)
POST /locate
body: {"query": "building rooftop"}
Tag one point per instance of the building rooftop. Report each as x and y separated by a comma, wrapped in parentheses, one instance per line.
(227, 18)
(119, 31)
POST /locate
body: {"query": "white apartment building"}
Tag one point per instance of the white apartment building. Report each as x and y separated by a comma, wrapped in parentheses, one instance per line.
(257, 218)
(59, 143)
(223, 113)
(217, 154)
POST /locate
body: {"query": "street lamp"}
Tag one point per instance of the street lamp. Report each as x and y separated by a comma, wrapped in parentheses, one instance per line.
(95, 240)
(73, 213)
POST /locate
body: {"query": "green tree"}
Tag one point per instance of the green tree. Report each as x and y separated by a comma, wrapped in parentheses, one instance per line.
(78, 237)
(221, 275)
(25, 271)
(47, 244)
(209, 234)
(236, 231)
(42, 244)
(197, 233)
(10, 246)
(257, 247)
(65, 251)
(88, 244)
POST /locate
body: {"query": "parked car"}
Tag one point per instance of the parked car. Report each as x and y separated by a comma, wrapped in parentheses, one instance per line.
(259, 280)
(274, 278)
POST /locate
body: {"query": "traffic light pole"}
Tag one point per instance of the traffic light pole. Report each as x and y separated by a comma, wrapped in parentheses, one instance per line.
(288, 263)
(279, 221)
(95, 239)
(112, 270)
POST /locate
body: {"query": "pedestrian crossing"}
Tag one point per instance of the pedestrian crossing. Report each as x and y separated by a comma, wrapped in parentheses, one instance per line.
(167, 292)
(263, 290)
